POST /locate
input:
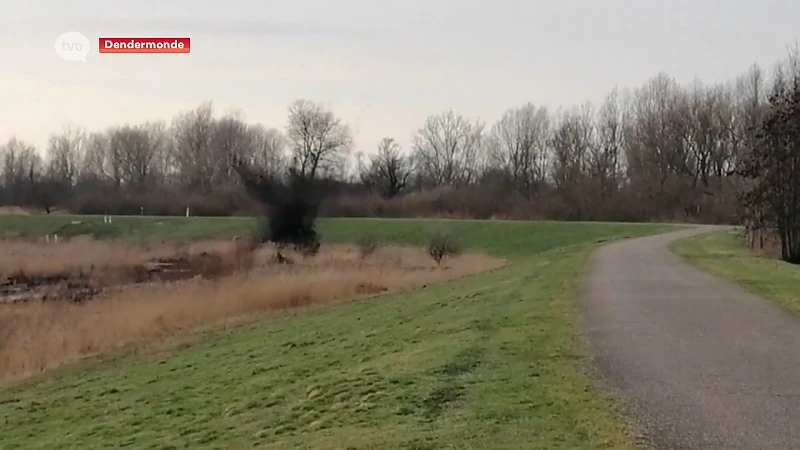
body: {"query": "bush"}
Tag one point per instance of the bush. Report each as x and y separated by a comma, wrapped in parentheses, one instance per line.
(292, 224)
(442, 245)
(292, 205)
(367, 244)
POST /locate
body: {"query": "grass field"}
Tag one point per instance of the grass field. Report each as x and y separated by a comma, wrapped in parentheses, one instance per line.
(489, 361)
(725, 254)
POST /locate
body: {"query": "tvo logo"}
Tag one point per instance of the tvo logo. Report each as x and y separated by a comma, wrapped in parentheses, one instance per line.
(72, 46)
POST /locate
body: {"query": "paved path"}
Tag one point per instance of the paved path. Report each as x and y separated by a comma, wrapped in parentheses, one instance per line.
(699, 362)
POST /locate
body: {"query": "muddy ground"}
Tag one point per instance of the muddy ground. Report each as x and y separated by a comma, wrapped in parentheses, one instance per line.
(79, 286)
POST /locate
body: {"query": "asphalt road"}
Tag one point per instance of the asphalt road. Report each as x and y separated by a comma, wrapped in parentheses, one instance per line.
(697, 362)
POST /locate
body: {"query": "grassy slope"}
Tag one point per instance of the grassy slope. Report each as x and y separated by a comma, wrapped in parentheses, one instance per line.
(491, 361)
(726, 255)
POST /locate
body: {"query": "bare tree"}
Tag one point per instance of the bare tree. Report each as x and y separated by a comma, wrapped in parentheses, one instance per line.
(572, 142)
(667, 148)
(230, 141)
(160, 141)
(774, 163)
(724, 153)
(65, 153)
(193, 134)
(268, 149)
(447, 149)
(518, 146)
(388, 171)
(133, 152)
(318, 140)
(21, 168)
(28, 182)
(655, 140)
(606, 155)
(750, 106)
(95, 158)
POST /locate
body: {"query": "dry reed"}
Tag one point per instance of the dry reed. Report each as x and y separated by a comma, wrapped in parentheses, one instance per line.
(40, 335)
(84, 254)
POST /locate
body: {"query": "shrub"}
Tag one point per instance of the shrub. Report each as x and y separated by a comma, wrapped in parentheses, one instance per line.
(441, 245)
(292, 205)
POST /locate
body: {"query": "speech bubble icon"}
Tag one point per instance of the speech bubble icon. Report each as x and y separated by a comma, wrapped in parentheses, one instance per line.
(72, 46)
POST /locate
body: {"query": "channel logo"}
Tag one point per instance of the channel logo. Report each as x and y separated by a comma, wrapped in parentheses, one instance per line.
(72, 46)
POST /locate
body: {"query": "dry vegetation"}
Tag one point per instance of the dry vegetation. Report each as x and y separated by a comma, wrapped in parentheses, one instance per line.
(37, 257)
(13, 210)
(215, 282)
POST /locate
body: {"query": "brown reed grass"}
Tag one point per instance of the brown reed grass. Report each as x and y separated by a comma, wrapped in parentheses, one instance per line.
(36, 336)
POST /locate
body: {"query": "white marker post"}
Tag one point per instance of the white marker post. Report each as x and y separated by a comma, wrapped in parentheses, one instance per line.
(187, 211)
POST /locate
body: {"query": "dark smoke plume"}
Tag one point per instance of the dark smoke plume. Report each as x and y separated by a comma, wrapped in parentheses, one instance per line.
(292, 204)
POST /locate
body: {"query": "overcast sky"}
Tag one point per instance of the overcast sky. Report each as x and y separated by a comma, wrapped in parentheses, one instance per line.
(381, 66)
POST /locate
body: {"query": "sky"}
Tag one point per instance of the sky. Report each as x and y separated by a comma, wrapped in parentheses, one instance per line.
(383, 67)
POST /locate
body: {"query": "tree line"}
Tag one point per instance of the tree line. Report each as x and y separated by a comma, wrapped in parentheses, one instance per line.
(663, 151)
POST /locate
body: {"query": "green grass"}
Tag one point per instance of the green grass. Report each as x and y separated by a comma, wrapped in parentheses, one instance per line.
(725, 254)
(502, 238)
(490, 361)
(130, 227)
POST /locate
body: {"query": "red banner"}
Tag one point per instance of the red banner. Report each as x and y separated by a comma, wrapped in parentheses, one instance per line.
(144, 45)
